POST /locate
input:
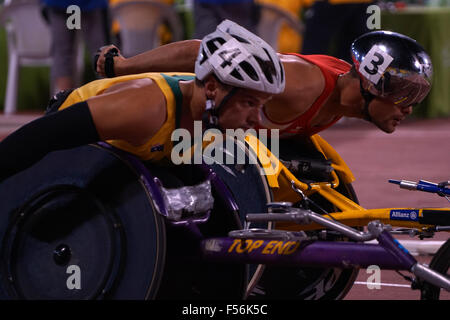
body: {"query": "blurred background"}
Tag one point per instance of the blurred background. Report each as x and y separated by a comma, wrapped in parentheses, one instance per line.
(31, 40)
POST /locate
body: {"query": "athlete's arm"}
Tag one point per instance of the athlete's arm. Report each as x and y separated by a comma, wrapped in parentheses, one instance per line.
(125, 114)
(174, 57)
(66, 129)
(132, 114)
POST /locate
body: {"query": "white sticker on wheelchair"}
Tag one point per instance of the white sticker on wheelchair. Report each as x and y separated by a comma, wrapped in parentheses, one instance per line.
(375, 63)
(229, 55)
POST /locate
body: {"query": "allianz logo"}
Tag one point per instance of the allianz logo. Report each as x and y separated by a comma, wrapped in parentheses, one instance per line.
(411, 215)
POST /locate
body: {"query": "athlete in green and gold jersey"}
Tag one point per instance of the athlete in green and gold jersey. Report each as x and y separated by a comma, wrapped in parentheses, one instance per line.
(236, 73)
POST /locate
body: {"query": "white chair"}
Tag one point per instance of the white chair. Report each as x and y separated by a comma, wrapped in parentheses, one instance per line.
(139, 22)
(272, 19)
(29, 44)
(28, 41)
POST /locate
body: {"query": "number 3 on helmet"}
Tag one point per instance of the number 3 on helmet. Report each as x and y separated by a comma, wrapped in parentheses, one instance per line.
(392, 66)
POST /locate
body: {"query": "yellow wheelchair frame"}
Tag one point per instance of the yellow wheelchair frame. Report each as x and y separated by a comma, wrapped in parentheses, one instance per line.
(286, 187)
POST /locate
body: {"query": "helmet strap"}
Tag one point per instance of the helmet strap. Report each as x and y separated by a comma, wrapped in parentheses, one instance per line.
(368, 97)
(210, 116)
(210, 120)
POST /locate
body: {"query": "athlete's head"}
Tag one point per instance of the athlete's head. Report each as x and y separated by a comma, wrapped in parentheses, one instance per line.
(247, 71)
(395, 74)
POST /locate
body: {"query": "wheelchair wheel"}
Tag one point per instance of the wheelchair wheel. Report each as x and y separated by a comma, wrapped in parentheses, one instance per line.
(186, 275)
(247, 187)
(79, 224)
(441, 264)
(307, 283)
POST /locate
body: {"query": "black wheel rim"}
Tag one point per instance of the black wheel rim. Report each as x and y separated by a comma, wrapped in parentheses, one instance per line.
(128, 261)
(63, 244)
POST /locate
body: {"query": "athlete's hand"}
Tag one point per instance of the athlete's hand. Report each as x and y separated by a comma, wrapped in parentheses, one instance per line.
(100, 65)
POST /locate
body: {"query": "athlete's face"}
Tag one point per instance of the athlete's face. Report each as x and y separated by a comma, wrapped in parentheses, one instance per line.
(242, 110)
(386, 115)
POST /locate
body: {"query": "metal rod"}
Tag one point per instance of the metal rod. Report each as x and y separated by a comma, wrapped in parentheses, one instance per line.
(306, 217)
(342, 228)
(431, 276)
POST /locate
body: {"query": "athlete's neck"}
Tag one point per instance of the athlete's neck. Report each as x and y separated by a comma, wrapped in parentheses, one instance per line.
(351, 100)
(193, 104)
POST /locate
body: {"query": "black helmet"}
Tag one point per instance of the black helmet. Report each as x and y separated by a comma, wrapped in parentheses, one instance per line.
(392, 66)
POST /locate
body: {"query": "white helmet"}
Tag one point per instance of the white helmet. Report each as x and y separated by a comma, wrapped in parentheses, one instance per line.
(241, 59)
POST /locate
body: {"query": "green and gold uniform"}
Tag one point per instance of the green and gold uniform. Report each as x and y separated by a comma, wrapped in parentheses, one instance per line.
(160, 145)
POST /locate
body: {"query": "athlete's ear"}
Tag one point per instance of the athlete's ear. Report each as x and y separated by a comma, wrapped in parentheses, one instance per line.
(211, 87)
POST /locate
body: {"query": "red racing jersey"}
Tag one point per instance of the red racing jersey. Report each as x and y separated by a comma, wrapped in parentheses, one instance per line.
(331, 69)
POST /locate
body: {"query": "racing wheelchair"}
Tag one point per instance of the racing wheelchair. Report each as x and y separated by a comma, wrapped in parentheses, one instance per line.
(96, 223)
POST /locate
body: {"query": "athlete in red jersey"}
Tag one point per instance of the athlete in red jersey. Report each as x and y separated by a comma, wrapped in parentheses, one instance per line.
(321, 89)
(331, 69)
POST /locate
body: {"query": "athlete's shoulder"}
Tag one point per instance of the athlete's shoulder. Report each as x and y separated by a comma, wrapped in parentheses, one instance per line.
(325, 62)
(186, 75)
(303, 78)
(133, 83)
(129, 111)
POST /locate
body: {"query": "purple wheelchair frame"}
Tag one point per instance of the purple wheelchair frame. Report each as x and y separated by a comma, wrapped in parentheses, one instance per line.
(388, 254)
(314, 253)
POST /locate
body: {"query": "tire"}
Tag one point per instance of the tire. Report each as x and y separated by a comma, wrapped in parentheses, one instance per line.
(79, 225)
(307, 283)
(441, 264)
(90, 230)
(186, 275)
(250, 192)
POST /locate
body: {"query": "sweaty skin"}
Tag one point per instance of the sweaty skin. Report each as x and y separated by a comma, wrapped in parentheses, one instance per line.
(387, 116)
(132, 113)
(304, 84)
(145, 101)
(135, 110)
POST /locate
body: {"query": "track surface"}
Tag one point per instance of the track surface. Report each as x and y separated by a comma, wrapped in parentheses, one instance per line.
(417, 150)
